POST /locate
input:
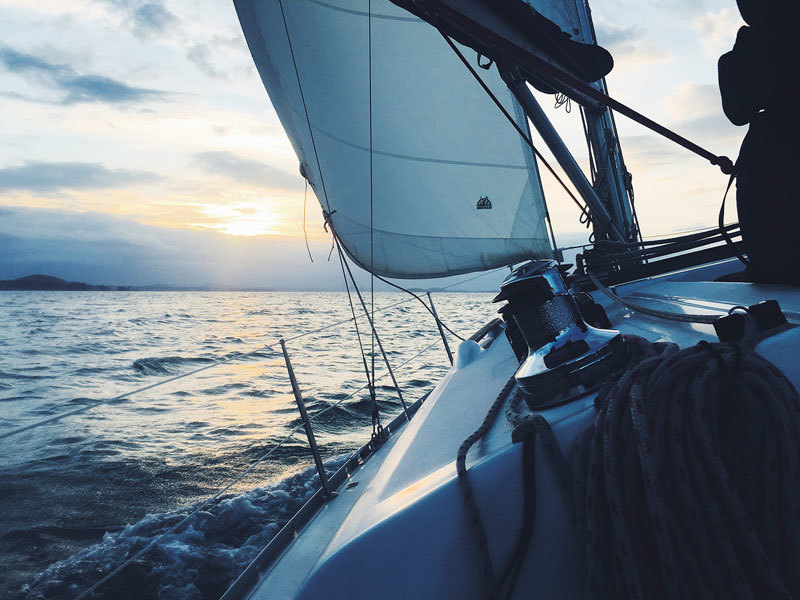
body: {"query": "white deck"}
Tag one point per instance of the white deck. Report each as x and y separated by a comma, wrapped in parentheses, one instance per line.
(402, 532)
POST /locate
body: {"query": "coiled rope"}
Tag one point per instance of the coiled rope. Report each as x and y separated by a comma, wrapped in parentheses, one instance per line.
(473, 511)
(687, 485)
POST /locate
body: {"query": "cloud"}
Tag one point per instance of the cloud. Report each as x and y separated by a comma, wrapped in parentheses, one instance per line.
(685, 4)
(152, 18)
(103, 249)
(200, 56)
(694, 100)
(244, 170)
(717, 30)
(75, 87)
(649, 150)
(230, 51)
(610, 34)
(627, 45)
(18, 62)
(696, 109)
(146, 19)
(49, 177)
(96, 88)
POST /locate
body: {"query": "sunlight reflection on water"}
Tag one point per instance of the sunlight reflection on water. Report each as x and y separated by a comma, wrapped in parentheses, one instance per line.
(178, 443)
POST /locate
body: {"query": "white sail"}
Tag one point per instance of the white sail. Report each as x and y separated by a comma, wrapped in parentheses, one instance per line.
(442, 153)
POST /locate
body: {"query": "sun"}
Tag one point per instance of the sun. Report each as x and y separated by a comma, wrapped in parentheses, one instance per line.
(248, 219)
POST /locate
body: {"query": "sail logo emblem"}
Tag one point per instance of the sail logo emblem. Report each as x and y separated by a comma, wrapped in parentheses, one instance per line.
(484, 203)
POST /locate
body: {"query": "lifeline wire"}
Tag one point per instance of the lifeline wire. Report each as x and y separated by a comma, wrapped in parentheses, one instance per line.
(236, 480)
(267, 348)
(526, 138)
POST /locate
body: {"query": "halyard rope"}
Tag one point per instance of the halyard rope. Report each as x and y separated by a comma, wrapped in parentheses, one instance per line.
(662, 314)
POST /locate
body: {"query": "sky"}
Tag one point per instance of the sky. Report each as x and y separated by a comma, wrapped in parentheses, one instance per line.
(138, 146)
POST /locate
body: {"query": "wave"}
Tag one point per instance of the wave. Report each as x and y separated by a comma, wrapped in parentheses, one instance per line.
(197, 561)
(164, 365)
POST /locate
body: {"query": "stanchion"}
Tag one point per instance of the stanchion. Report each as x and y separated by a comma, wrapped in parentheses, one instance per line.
(307, 424)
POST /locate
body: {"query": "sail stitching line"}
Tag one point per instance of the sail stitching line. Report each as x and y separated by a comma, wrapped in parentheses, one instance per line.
(444, 161)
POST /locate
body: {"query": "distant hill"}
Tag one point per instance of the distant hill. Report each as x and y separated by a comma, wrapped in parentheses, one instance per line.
(50, 284)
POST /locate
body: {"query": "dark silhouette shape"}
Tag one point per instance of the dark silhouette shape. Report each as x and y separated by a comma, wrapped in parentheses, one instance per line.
(48, 283)
(757, 84)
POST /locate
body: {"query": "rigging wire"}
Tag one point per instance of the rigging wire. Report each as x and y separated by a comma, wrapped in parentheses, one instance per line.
(584, 209)
(340, 242)
(473, 278)
(86, 593)
(220, 362)
(421, 301)
(305, 107)
(371, 323)
(376, 419)
(305, 234)
(371, 214)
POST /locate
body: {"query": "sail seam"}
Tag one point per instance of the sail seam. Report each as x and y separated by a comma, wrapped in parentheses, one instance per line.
(421, 158)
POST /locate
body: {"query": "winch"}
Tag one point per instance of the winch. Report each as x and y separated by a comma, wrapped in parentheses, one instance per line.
(561, 355)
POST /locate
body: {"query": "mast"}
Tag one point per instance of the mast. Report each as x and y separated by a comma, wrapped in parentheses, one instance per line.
(611, 180)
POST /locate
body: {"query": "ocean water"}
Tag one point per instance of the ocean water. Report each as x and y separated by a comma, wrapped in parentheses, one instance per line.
(79, 495)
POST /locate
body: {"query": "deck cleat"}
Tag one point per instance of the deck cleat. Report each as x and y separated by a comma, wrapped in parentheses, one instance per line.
(562, 355)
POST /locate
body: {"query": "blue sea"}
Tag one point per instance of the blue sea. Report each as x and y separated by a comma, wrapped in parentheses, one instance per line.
(80, 495)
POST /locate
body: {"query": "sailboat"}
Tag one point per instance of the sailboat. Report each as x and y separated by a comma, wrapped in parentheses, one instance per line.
(573, 450)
